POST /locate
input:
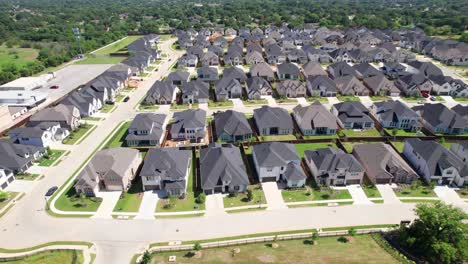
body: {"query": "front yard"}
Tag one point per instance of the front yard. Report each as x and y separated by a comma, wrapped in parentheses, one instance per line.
(26, 176)
(51, 157)
(317, 98)
(107, 108)
(377, 98)
(71, 201)
(255, 102)
(373, 132)
(78, 134)
(130, 201)
(348, 98)
(118, 138)
(220, 104)
(241, 199)
(277, 138)
(371, 191)
(146, 107)
(286, 101)
(416, 189)
(11, 196)
(183, 106)
(311, 146)
(348, 146)
(312, 194)
(463, 192)
(362, 249)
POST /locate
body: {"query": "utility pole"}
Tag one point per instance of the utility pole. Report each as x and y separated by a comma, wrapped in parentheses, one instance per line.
(77, 33)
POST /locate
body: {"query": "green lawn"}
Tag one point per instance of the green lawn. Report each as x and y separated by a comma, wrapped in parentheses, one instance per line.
(320, 136)
(241, 198)
(398, 145)
(92, 118)
(286, 101)
(349, 145)
(348, 98)
(317, 98)
(48, 160)
(122, 44)
(379, 98)
(12, 196)
(373, 132)
(107, 108)
(16, 55)
(310, 146)
(144, 107)
(26, 176)
(463, 192)
(145, 74)
(371, 191)
(301, 195)
(362, 249)
(220, 104)
(412, 99)
(277, 138)
(186, 203)
(417, 189)
(118, 138)
(175, 106)
(130, 201)
(460, 99)
(120, 97)
(70, 201)
(440, 99)
(78, 134)
(51, 257)
(419, 201)
(255, 102)
(93, 59)
(401, 132)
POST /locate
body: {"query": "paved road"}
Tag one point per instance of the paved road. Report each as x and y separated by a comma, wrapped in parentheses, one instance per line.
(27, 224)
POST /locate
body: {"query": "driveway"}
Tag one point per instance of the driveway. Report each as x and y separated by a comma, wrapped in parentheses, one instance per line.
(273, 196)
(214, 204)
(148, 205)
(388, 194)
(237, 103)
(358, 194)
(449, 101)
(366, 101)
(109, 200)
(333, 100)
(271, 100)
(448, 195)
(21, 186)
(302, 101)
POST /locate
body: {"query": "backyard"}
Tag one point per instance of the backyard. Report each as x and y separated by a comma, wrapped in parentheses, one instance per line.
(401, 132)
(277, 138)
(398, 145)
(51, 257)
(241, 199)
(348, 146)
(373, 132)
(78, 134)
(301, 147)
(361, 249)
(130, 201)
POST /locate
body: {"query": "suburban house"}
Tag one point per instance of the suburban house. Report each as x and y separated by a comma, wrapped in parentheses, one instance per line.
(219, 51)
(436, 163)
(86, 104)
(109, 170)
(272, 121)
(395, 114)
(167, 169)
(340, 69)
(18, 157)
(383, 164)
(278, 162)
(228, 88)
(460, 149)
(315, 119)
(195, 91)
(462, 110)
(442, 85)
(147, 129)
(208, 74)
(178, 77)
(6, 177)
(232, 126)
(235, 73)
(414, 85)
(366, 70)
(233, 58)
(288, 71)
(291, 88)
(66, 115)
(333, 166)
(209, 59)
(394, 69)
(275, 54)
(258, 87)
(353, 115)
(222, 169)
(254, 57)
(262, 70)
(379, 85)
(189, 125)
(350, 85)
(188, 60)
(321, 85)
(34, 136)
(441, 120)
(161, 92)
(297, 56)
(312, 68)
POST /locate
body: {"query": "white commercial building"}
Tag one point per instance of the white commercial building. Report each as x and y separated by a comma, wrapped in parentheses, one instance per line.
(25, 84)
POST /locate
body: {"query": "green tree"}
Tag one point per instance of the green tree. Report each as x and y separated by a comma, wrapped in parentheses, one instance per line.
(438, 233)
(352, 231)
(4, 195)
(197, 246)
(201, 198)
(146, 258)
(250, 195)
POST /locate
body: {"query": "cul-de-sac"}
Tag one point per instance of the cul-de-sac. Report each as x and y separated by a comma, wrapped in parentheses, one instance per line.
(233, 132)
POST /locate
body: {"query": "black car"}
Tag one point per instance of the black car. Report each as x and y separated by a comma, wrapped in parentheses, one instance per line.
(51, 191)
(110, 103)
(126, 99)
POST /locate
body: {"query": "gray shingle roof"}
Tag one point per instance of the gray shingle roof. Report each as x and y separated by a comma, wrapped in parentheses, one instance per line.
(266, 117)
(275, 154)
(333, 159)
(314, 116)
(394, 110)
(439, 114)
(191, 118)
(232, 123)
(170, 164)
(147, 122)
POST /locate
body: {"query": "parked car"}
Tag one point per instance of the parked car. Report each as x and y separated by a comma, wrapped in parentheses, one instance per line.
(432, 98)
(110, 103)
(51, 191)
(54, 87)
(126, 99)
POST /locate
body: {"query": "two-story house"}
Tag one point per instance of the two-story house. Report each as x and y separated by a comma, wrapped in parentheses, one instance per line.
(147, 129)
(395, 114)
(189, 125)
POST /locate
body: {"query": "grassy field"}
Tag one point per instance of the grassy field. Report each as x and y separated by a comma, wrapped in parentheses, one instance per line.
(362, 249)
(415, 190)
(52, 257)
(78, 134)
(52, 158)
(373, 132)
(130, 201)
(302, 195)
(241, 198)
(118, 138)
(70, 201)
(277, 138)
(122, 44)
(16, 55)
(102, 56)
(310, 146)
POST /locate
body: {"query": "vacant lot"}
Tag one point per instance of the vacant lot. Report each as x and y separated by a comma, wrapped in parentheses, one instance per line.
(362, 249)
(16, 55)
(103, 56)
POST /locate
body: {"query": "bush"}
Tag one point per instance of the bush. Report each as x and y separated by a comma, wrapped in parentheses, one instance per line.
(201, 198)
(343, 239)
(197, 247)
(250, 195)
(146, 258)
(4, 196)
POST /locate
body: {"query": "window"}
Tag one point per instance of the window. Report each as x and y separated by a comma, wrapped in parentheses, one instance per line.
(236, 188)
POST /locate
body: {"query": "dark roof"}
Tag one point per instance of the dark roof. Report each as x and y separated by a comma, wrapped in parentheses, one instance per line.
(232, 123)
(190, 118)
(314, 116)
(439, 114)
(275, 154)
(266, 117)
(333, 159)
(168, 163)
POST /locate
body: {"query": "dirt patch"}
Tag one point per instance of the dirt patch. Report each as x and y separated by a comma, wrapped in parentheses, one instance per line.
(266, 258)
